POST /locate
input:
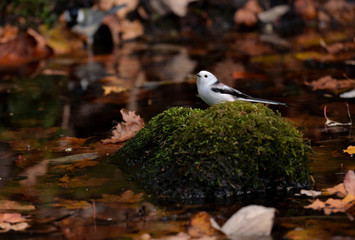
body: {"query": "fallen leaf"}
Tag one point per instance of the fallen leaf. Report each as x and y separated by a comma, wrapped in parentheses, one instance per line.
(113, 89)
(316, 205)
(8, 33)
(78, 164)
(15, 227)
(11, 218)
(82, 181)
(247, 15)
(334, 206)
(200, 226)
(350, 150)
(348, 199)
(131, 124)
(338, 189)
(251, 220)
(127, 197)
(311, 193)
(349, 182)
(12, 205)
(72, 204)
(330, 83)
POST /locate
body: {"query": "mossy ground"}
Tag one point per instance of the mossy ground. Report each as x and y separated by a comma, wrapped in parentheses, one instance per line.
(230, 148)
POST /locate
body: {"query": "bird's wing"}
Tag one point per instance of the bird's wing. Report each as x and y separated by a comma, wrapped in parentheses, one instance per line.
(224, 89)
(238, 95)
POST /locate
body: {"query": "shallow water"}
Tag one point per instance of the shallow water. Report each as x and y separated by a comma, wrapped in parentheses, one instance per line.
(81, 97)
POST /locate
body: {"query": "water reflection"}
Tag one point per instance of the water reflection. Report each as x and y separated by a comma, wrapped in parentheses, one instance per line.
(81, 97)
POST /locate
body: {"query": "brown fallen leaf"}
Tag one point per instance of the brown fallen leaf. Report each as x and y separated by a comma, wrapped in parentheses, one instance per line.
(330, 83)
(247, 15)
(127, 197)
(200, 226)
(77, 165)
(80, 181)
(72, 204)
(12, 205)
(131, 124)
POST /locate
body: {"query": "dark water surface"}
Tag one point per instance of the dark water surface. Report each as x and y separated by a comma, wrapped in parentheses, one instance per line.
(81, 97)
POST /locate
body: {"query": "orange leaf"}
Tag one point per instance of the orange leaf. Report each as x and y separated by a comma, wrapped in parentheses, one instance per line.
(350, 150)
(200, 226)
(338, 189)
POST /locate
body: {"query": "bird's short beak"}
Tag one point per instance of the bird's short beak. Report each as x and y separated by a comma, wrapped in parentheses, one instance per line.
(198, 75)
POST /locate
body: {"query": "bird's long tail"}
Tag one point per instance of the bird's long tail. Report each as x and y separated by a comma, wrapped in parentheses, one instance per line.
(260, 100)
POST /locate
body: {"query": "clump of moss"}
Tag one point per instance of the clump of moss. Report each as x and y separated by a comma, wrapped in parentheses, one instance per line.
(228, 149)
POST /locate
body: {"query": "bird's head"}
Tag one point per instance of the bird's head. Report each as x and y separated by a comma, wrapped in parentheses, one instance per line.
(206, 78)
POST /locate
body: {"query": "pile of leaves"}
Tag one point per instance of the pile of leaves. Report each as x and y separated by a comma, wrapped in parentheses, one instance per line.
(228, 149)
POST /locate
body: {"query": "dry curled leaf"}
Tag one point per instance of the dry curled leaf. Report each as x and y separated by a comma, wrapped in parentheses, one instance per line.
(131, 124)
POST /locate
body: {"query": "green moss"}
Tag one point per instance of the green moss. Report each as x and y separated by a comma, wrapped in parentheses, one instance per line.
(227, 149)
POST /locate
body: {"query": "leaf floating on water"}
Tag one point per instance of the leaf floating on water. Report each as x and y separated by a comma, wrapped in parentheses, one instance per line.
(339, 190)
(330, 83)
(251, 220)
(72, 204)
(200, 226)
(81, 181)
(310, 193)
(12, 221)
(316, 205)
(131, 124)
(12, 205)
(127, 197)
(350, 150)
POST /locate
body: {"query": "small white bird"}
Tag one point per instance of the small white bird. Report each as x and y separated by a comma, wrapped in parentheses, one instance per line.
(213, 91)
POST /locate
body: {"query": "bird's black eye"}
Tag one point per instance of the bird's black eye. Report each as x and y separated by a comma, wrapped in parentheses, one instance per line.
(206, 76)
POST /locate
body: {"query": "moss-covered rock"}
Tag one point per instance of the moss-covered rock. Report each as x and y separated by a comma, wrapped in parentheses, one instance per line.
(230, 148)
